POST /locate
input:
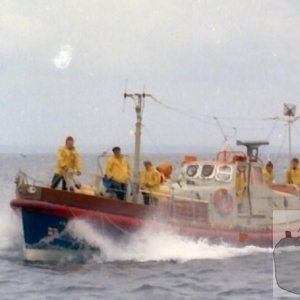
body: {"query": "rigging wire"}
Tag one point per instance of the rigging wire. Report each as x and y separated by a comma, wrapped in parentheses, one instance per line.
(180, 111)
(221, 129)
(151, 138)
(272, 129)
(271, 132)
(225, 136)
(191, 116)
(296, 130)
(281, 146)
(201, 118)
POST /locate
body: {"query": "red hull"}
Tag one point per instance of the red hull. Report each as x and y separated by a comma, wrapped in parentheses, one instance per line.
(131, 217)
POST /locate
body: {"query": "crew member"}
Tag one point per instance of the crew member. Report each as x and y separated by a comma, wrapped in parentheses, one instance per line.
(293, 174)
(117, 173)
(68, 159)
(240, 184)
(150, 183)
(268, 173)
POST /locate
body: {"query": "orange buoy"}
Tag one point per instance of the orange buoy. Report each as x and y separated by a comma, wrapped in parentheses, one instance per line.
(166, 169)
(189, 159)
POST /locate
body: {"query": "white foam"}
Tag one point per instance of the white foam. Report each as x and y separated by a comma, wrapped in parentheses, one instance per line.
(153, 245)
(11, 237)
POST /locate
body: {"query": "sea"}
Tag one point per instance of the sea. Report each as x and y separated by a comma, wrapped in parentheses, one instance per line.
(152, 265)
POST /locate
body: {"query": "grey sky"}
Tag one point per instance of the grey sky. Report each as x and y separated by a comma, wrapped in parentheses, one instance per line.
(64, 65)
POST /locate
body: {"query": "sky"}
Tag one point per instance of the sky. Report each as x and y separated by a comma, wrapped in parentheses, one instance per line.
(218, 68)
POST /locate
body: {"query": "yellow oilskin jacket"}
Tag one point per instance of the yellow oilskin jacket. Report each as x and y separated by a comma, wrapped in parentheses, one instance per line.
(240, 187)
(268, 177)
(118, 169)
(150, 181)
(67, 158)
(293, 176)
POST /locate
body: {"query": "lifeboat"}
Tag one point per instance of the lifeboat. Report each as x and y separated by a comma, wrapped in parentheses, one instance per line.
(204, 201)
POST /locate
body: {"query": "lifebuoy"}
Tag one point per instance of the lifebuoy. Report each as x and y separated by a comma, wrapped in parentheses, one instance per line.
(223, 201)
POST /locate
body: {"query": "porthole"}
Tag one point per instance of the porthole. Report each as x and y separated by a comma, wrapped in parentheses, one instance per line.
(192, 170)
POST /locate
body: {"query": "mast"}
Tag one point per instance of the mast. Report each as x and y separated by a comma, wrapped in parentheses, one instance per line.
(138, 98)
(289, 113)
(289, 110)
(290, 138)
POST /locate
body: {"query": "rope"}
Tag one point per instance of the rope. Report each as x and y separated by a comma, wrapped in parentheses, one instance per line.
(103, 217)
(71, 211)
(114, 224)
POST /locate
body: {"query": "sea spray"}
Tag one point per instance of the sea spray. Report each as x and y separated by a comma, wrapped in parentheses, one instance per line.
(11, 238)
(150, 244)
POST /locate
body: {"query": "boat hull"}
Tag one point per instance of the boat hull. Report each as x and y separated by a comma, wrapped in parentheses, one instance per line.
(55, 255)
(47, 237)
(46, 233)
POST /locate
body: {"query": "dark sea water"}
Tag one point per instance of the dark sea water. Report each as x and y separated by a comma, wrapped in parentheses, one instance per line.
(154, 265)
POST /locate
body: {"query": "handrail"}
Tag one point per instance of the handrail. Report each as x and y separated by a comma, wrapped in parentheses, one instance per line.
(231, 156)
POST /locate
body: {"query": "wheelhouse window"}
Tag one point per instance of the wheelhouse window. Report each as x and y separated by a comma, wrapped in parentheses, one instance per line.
(207, 171)
(192, 170)
(224, 173)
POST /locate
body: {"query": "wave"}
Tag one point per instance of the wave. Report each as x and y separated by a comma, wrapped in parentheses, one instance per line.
(156, 245)
(147, 244)
(11, 238)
